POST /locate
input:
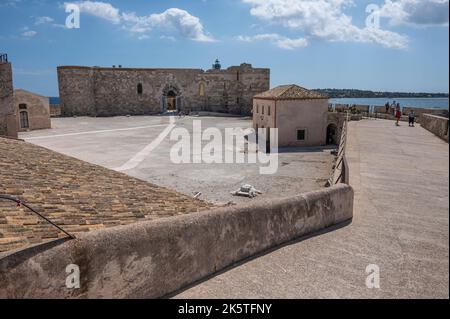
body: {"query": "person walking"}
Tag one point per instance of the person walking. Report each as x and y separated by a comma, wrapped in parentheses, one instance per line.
(398, 114)
(411, 117)
(394, 108)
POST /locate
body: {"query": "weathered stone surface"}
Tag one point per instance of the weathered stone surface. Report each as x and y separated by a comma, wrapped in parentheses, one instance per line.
(437, 125)
(8, 125)
(76, 195)
(152, 259)
(114, 91)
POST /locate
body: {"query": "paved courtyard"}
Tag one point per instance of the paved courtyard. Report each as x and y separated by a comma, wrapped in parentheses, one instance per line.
(401, 180)
(140, 146)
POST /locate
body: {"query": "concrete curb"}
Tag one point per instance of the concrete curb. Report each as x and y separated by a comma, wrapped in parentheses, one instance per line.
(155, 258)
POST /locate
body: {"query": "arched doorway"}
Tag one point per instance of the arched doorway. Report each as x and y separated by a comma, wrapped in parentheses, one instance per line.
(24, 124)
(332, 134)
(171, 101)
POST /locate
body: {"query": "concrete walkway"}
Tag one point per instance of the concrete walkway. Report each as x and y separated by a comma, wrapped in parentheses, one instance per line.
(401, 181)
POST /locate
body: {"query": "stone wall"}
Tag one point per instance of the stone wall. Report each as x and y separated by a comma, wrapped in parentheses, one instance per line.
(8, 125)
(437, 125)
(114, 91)
(153, 259)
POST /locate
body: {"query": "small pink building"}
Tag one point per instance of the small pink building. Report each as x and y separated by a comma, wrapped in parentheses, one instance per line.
(299, 114)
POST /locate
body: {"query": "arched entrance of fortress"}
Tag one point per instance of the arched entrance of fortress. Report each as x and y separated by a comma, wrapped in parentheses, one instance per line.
(171, 99)
(332, 137)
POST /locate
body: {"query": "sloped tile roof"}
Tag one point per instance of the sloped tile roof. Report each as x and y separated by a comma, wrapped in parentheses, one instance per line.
(290, 92)
(79, 196)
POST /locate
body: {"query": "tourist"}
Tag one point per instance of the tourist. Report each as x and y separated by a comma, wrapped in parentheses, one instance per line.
(387, 107)
(398, 114)
(411, 117)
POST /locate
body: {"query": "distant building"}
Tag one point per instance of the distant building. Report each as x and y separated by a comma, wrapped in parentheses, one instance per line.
(97, 91)
(32, 111)
(299, 114)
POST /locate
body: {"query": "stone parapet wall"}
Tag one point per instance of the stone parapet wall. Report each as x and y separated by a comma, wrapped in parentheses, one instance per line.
(438, 125)
(153, 259)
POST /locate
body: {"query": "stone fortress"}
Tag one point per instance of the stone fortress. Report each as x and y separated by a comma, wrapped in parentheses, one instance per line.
(8, 126)
(114, 91)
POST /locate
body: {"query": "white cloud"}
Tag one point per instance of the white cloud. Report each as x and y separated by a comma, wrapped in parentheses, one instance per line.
(43, 20)
(416, 12)
(29, 33)
(323, 19)
(279, 40)
(98, 9)
(181, 21)
(172, 20)
(168, 38)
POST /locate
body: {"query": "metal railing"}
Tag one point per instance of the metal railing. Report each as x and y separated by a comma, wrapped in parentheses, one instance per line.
(340, 172)
(21, 203)
(3, 57)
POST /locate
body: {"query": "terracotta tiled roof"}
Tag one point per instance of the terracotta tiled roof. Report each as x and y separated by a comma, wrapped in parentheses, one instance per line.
(76, 195)
(290, 92)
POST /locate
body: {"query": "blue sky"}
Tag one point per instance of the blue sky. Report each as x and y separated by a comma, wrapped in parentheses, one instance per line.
(314, 43)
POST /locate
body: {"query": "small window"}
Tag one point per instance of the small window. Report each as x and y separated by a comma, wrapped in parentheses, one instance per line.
(301, 134)
(24, 119)
(201, 89)
(257, 108)
(238, 101)
(139, 88)
(263, 109)
(22, 106)
(268, 110)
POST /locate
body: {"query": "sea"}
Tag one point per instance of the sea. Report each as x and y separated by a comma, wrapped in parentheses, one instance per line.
(432, 103)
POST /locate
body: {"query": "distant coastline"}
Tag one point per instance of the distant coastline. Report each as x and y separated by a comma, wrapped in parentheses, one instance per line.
(352, 94)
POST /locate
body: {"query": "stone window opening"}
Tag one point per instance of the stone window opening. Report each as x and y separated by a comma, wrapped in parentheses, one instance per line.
(268, 110)
(201, 89)
(140, 89)
(263, 110)
(301, 135)
(238, 101)
(24, 119)
(22, 106)
(257, 108)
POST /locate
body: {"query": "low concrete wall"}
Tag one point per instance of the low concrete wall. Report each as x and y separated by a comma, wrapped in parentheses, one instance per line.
(152, 259)
(437, 125)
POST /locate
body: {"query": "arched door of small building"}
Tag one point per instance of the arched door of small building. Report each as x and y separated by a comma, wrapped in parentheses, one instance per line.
(24, 124)
(332, 134)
